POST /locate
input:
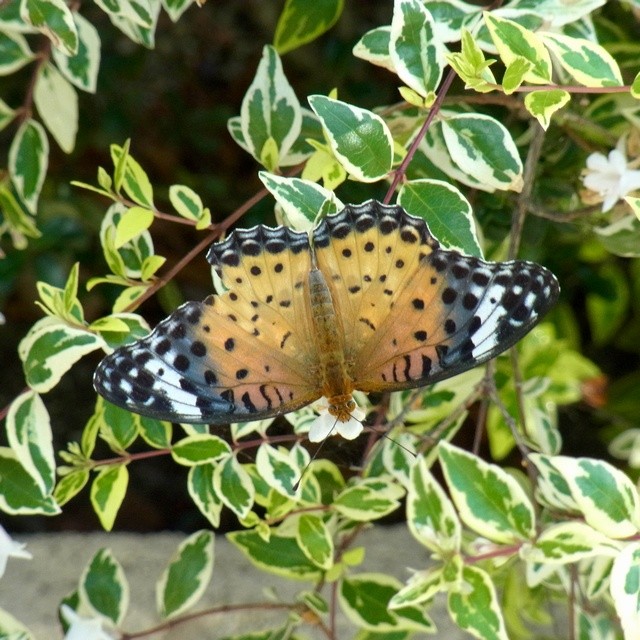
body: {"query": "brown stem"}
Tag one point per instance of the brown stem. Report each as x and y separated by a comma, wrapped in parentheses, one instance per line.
(199, 248)
(400, 172)
(249, 606)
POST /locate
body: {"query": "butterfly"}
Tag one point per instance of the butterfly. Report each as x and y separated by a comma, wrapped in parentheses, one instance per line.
(367, 301)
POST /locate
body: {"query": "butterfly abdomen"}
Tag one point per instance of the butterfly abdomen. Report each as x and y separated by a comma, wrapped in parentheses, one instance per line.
(336, 382)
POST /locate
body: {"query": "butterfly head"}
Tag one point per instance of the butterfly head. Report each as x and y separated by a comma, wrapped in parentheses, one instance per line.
(339, 416)
(342, 407)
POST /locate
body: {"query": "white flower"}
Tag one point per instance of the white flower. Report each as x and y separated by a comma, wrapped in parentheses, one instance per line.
(83, 628)
(326, 425)
(10, 549)
(611, 177)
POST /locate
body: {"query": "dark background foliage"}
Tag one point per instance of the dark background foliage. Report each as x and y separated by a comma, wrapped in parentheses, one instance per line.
(174, 103)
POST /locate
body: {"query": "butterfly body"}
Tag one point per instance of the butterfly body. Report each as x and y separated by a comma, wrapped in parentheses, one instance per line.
(337, 384)
(371, 303)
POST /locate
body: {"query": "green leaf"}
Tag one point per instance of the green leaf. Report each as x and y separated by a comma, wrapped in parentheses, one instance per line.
(28, 162)
(104, 587)
(313, 537)
(234, 486)
(128, 260)
(92, 429)
(489, 500)
(54, 19)
(360, 139)
(138, 13)
(7, 114)
(553, 490)
(452, 17)
(18, 223)
(374, 48)
(515, 74)
(81, 69)
(622, 238)
(107, 493)
(270, 111)
(120, 328)
(50, 349)
(322, 165)
(431, 517)
(14, 52)
(119, 157)
(369, 499)
(70, 485)
(514, 41)
(135, 221)
(438, 158)
(625, 588)
(199, 448)
(131, 176)
(447, 212)
(19, 492)
(29, 435)
(187, 576)
(57, 104)
(543, 104)
(301, 22)
(175, 8)
(278, 469)
(416, 52)
(150, 265)
(607, 497)
(421, 587)
(635, 87)
(471, 65)
(302, 201)
(280, 555)
(156, 433)
(399, 455)
(186, 202)
(200, 486)
(62, 303)
(483, 147)
(127, 299)
(364, 599)
(569, 542)
(475, 607)
(119, 427)
(587, 62)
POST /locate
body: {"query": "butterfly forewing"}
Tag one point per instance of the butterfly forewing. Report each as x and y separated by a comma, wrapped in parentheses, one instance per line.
(369, 254)
(242, 355)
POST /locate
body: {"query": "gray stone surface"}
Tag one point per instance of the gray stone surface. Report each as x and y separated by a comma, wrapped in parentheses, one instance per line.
(32, 589)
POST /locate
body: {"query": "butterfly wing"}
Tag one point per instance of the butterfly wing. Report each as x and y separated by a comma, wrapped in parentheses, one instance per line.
(457, 313)
(243, 355)
(369, 253)
(414, 313)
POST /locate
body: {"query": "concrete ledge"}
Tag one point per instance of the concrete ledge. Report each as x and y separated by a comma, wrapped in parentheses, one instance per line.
(32, 589)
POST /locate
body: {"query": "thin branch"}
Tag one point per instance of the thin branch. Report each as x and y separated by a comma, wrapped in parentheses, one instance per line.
(229, 608)
(198, 249)
(522, 205)
(400, 172)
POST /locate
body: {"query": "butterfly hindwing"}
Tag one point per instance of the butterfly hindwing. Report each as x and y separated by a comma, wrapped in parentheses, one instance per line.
(457, 313)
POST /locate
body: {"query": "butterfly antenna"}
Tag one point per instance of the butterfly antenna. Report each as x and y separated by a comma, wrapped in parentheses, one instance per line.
(390, 439)
(314, 456)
